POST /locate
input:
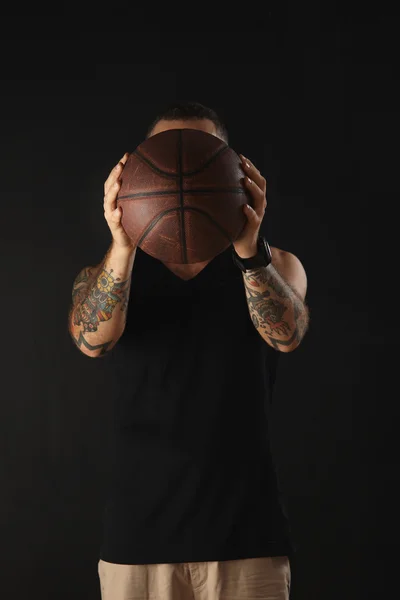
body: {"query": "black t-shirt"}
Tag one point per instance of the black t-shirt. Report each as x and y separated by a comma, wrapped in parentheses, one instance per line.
(191, 478)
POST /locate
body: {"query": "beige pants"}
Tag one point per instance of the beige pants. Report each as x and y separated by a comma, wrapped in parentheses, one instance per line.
(244, 579)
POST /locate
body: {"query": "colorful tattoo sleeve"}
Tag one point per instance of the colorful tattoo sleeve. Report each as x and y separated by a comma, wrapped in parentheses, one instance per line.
(276, 311)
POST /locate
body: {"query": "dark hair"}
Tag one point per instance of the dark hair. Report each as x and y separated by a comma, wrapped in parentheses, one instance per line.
(190, 110)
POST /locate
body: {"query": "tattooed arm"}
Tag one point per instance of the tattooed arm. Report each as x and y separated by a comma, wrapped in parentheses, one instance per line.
(275, 297)
(100, 296)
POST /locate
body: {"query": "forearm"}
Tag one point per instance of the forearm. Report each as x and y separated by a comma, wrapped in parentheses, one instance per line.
(278, 313)
(100, 297)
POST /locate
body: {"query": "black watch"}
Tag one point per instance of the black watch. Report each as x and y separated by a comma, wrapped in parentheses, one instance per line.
(262, 259)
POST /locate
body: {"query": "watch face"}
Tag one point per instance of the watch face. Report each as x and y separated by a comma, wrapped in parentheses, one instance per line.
(267, 249)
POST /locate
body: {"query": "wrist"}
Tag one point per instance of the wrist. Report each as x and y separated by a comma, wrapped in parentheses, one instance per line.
(247, 251)
(123, 251)
(248, 258)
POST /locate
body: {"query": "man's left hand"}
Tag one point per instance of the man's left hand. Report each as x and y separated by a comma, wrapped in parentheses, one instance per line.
(255, 183)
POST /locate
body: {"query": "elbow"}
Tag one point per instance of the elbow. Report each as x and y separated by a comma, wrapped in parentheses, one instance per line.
(80, 342)
(293, 346)
(281, 347)
(285, 346)
(92, 351)
(299, 333)
(85, 351)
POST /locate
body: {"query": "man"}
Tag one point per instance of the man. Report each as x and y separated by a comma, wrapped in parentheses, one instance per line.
(194, 508)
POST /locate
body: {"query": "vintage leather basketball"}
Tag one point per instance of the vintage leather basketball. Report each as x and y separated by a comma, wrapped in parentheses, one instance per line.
(182, 196)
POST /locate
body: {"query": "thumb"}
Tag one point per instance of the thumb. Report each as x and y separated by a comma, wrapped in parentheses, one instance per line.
(116, 215)
(250, 213)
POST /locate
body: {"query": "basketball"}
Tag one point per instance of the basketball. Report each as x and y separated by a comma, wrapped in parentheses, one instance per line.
(182, 196)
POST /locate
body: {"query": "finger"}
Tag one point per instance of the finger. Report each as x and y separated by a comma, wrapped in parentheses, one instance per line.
(251, 215)
(253, 173)
(257, 194)
(110, 199)
(247, 162)
(113, 177)
(116, 215)
(113, 217)
(115, 172)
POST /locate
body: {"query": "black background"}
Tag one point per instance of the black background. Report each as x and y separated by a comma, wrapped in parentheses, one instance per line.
(311, 97)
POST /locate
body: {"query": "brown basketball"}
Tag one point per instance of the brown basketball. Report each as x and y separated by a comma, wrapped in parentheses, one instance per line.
(182, 196)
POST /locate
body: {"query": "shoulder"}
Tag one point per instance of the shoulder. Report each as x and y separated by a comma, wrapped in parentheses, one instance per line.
(291, 270)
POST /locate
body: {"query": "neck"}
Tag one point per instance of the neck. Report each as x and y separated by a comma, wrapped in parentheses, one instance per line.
(188, 269)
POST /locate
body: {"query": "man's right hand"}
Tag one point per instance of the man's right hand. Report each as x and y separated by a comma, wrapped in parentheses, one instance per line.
(112, 213)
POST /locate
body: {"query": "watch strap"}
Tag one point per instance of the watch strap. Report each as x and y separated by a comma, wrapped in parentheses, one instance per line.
(262, 259)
